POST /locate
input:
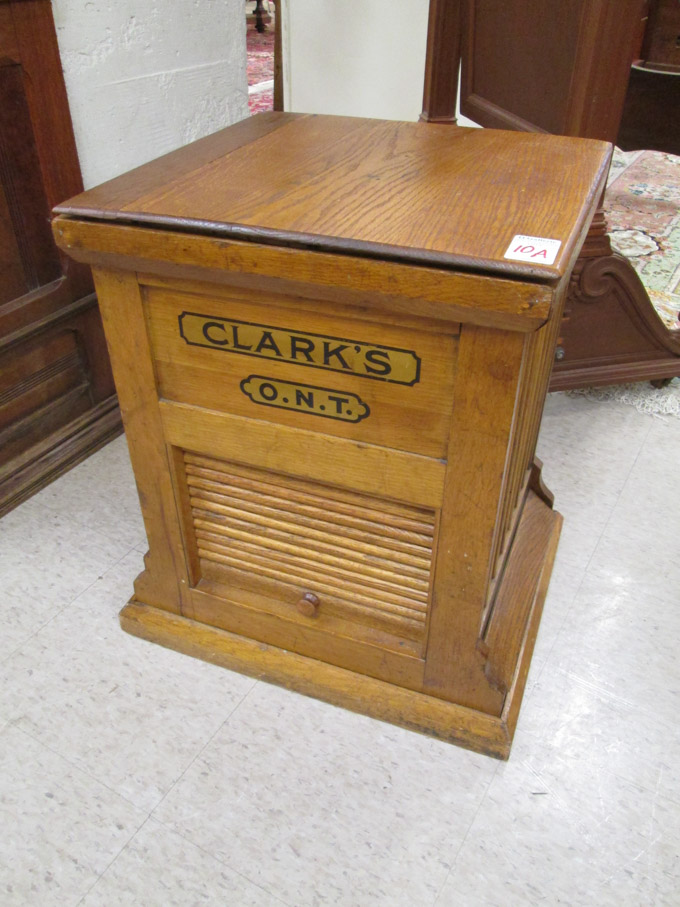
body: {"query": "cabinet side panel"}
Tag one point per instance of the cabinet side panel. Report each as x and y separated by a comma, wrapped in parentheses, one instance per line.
(485, 395)
(165, 581)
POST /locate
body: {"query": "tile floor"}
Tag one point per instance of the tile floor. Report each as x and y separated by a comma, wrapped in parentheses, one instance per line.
(132, 775)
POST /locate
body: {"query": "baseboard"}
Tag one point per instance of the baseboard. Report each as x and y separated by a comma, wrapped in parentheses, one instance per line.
(59, 452)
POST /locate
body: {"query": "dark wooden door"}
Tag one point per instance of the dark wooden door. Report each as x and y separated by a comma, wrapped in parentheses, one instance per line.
(57, 401)
(558, 66)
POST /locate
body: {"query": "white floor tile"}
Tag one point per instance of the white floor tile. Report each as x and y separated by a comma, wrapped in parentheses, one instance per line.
(45, 562)
(625, 644)
(132, 714)
(327, 807)
(581, 720)
(19, 622)
(260, 796)
(589, 451)
(161, 869)
(559, 830)
(564, 585)
(100, 495)
(60, 828)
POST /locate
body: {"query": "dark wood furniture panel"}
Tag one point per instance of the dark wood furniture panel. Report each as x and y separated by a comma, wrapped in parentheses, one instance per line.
(442, 62)
(651, 113)
(661, 44)
(556, 66)
(57, 400)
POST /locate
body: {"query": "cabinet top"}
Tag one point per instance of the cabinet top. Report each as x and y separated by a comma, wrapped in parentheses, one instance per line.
(476, 199)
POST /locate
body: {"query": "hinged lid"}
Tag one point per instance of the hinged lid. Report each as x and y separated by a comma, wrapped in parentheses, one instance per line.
(477, 199)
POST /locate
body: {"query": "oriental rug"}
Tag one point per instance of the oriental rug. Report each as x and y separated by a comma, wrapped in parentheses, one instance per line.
(663, 401)
(642, 205)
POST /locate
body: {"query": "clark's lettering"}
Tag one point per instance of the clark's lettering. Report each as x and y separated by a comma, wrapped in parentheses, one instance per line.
(335, 354)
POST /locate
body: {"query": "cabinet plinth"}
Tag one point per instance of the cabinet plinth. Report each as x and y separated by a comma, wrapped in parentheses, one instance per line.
(332, 370)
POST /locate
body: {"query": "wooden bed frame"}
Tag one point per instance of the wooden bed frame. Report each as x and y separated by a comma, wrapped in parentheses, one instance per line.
(535, 65)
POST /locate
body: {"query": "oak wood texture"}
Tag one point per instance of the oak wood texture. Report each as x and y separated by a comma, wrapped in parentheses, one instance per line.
(355, 691)
(337, 177)
(332, 408)
(358, 561)
(165, 580)
(393, 473)
(563, 68)
(367, 284)
(57, 401)
(414, 414)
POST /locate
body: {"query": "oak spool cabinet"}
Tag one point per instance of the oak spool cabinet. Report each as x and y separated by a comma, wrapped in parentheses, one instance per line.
(332, 340)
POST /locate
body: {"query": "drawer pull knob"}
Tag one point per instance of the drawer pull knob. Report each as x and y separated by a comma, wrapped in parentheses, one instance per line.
(309, 605)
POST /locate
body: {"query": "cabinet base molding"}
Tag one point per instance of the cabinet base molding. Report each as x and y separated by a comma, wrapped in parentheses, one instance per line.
(360, 693)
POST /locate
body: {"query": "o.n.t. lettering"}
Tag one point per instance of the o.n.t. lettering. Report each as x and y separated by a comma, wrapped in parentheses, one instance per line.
(305, 399)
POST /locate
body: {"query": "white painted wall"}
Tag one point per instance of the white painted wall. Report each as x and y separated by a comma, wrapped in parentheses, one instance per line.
(355, 57)
(147, 76)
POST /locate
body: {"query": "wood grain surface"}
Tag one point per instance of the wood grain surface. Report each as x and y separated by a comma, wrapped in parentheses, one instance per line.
(349, 689)
(386, 287)
(411, 191)
(412, 415)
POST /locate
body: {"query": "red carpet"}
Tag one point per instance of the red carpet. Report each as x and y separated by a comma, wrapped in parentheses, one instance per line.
(260, 67)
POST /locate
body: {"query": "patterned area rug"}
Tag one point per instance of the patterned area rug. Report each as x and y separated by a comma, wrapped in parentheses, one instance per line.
(663, 401)
(642, 205)
(261, 101)
(260, 47)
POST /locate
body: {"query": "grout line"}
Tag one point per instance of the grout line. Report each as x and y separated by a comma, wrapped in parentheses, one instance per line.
(64, 607)
(184, 836)
(112, 861)
(482, 800)
(563, 622)
(221, 862)
(202, 750)
(626, 482)
(594, 552)
(13, 722)
(592, 555)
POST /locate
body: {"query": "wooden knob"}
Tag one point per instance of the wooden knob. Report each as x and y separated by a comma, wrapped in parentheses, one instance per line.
(309, 605)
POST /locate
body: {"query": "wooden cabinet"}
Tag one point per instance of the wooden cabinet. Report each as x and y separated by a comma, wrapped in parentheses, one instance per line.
(57, 400)
(563, 67)
(332, 374)
(651, 114)
(661, 45)
(549, 65)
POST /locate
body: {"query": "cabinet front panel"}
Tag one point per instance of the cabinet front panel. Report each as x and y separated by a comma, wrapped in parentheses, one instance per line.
(386, 384)
(315, 568)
